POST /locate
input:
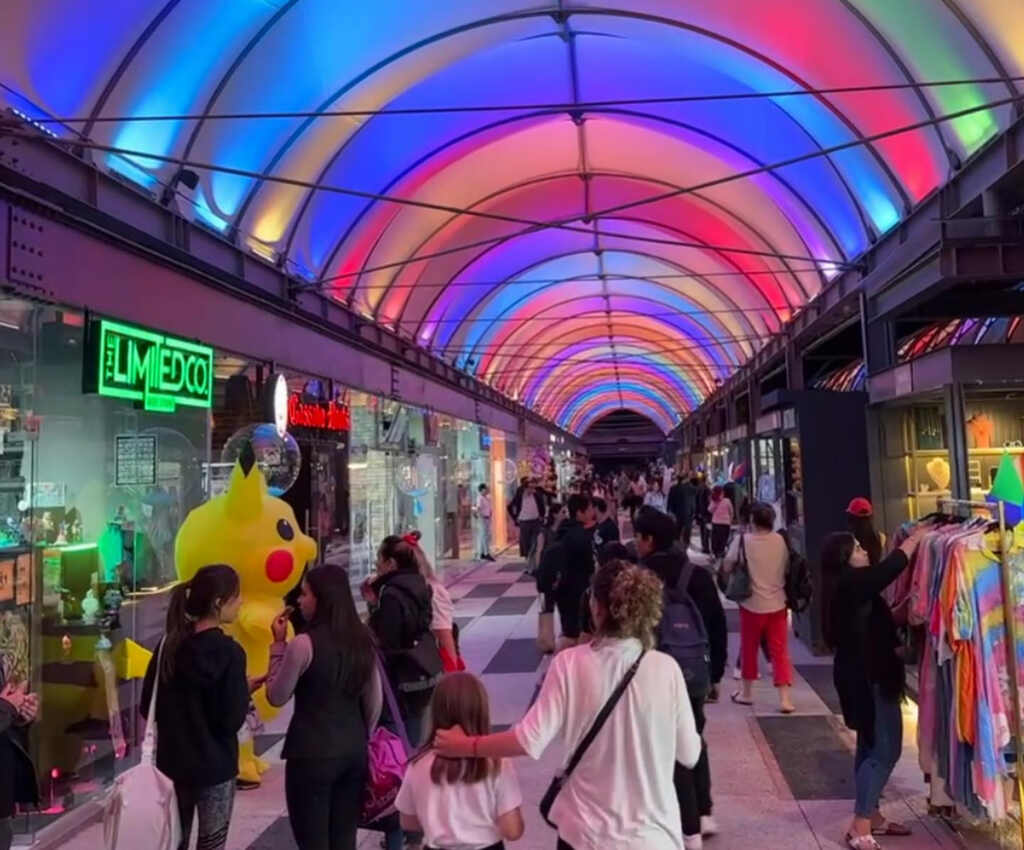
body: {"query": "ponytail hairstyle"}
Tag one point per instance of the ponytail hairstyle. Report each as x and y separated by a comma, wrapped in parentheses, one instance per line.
(201, 596)
(632, 597)
(863, 528)
(394, 548)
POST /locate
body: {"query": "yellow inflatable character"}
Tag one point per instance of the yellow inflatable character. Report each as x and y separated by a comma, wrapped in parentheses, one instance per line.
(256, 534)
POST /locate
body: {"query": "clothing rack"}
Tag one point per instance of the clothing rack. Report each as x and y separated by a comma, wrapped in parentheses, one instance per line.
(999, 508)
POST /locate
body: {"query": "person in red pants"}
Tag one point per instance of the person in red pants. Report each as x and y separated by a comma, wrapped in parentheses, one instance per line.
(764, 614)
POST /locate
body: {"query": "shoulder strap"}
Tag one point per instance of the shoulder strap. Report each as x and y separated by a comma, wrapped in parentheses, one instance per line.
(392, 703)
(684, 577)
(743, 549)
(149, 738)
(602, 715)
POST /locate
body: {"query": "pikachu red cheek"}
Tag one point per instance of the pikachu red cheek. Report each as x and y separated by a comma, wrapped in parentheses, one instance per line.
(280, 564)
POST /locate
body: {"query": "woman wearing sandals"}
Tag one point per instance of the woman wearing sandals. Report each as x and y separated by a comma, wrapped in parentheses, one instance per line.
(618, 791)
(868, 671)
(764, 614)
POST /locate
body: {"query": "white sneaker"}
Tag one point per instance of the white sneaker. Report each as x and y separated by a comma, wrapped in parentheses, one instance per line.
(693, 842)
(708, 826)
(737, 674)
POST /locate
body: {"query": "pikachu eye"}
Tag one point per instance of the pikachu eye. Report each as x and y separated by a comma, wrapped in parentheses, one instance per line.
(284, 528)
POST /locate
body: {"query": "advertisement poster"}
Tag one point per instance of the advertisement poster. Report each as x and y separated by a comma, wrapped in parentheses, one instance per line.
(6, 581)
(23, 585)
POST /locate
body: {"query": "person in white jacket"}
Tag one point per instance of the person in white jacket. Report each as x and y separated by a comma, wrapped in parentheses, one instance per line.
(621, 795)
(655, 498)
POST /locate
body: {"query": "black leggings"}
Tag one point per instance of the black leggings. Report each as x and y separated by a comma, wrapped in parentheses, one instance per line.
(213, 804)
(324, 800)
(563, 846)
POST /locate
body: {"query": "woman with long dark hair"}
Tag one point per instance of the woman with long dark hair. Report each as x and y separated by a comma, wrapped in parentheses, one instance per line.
(331, 670)
(201, 701)
(868, 671)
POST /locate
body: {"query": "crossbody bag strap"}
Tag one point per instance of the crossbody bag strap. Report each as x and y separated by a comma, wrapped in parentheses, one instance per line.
(392, 703)
(149, 739)
(603, 715)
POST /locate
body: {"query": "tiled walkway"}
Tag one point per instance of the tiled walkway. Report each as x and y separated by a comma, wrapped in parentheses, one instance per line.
(780, 783)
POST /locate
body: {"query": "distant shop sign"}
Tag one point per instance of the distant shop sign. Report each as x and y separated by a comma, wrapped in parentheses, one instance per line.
(327, 415)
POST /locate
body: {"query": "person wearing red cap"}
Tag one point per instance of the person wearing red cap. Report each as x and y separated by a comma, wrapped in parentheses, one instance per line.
(860, 520)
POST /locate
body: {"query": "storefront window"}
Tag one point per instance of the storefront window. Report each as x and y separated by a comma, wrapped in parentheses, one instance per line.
(93, 488)
(994, 425)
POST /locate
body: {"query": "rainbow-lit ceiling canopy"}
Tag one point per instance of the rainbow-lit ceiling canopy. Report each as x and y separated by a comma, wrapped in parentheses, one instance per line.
(521, 242)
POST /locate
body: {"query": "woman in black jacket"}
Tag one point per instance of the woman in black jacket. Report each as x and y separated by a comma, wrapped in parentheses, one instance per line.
(201, 702)
(331, 669)
(868, 671)
(400, 617)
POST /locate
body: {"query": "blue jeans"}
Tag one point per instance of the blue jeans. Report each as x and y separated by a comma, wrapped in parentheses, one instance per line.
(874, 763)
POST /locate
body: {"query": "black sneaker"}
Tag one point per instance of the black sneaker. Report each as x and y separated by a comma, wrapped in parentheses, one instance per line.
(246, 785)
(712, 694)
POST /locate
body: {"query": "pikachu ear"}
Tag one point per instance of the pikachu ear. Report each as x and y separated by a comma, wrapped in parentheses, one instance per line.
(246, 488)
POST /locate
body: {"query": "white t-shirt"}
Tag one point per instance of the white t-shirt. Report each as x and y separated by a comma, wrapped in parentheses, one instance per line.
(441, 608)
(528, 508)
(459, 816)
(621, 795)
(483, 506)
(721, 512)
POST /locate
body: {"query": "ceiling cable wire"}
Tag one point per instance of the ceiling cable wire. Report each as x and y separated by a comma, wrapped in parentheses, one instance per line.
(532, 225)
(523, 107)
(742, 175)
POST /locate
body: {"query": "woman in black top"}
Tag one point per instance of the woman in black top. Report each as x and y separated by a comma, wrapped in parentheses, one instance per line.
(331, 670)
(868, 671)
(201, 702)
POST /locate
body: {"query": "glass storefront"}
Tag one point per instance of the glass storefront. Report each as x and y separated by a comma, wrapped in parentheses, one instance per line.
(102, 455)
(93, 487)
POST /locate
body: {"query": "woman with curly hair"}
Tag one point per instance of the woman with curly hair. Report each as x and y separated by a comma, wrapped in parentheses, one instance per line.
(621, 793)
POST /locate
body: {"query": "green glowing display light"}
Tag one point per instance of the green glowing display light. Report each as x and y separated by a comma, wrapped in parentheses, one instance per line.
(157, 371)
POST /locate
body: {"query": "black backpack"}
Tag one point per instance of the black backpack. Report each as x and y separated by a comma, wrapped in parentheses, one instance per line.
(682, 635)
(799, 586)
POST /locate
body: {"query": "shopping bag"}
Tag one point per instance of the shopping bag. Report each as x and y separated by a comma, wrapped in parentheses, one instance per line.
(387, 756)
(142, 810)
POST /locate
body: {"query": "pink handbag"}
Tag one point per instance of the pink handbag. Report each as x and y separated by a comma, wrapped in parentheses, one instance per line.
(387, 756)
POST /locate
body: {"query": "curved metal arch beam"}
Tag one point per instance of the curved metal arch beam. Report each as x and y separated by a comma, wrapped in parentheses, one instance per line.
(721, 258)
(598, 411)
(585, 379)
(539, 387)
(707, 341)
(539, 391)
(584, 348)
(722, 255)
(563, 12)
(440, 149)
(635, 345)
(968, 24)
(638, 384)
(567, 377)
(624, 390)
(758, 191)
(548, 346)
(511, 311)
(719, 295)
(124, 64)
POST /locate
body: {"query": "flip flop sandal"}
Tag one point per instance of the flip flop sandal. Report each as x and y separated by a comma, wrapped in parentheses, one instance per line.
(789, 711)
(862, 842)
(892, 828)
(736, 698)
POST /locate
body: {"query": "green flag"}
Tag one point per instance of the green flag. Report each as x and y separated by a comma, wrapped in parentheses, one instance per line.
(1007, 486)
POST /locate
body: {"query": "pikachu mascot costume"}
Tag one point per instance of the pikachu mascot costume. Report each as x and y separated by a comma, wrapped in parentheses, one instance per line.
(256, 534)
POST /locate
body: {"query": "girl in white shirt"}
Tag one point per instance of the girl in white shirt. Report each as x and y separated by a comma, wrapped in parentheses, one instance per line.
(655, 498)
(621, 795)
(467, 803)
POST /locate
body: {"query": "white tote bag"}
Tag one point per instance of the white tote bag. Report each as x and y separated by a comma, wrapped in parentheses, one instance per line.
(142, 810)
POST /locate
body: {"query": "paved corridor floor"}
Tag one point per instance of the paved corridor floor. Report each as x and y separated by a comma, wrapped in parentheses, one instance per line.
(779, 783)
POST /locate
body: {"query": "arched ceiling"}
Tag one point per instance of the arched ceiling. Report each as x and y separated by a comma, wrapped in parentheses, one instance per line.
(626, 250)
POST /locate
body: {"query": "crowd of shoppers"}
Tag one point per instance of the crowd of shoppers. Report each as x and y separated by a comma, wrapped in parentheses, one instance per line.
(643, 782)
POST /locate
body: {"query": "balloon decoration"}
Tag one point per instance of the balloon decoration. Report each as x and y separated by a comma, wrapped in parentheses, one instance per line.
(277, 455)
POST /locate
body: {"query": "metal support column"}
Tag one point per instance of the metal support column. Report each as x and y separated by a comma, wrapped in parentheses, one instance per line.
(956, 425)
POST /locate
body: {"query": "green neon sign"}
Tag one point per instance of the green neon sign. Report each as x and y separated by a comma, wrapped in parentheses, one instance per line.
(159, 372)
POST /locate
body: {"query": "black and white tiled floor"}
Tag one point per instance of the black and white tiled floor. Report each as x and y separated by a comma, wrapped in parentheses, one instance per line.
(780, 783)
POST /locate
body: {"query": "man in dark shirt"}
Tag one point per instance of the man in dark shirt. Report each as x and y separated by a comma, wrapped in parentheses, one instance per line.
(607, 530)
(682, 504)
(656, 544)
(575, 555)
